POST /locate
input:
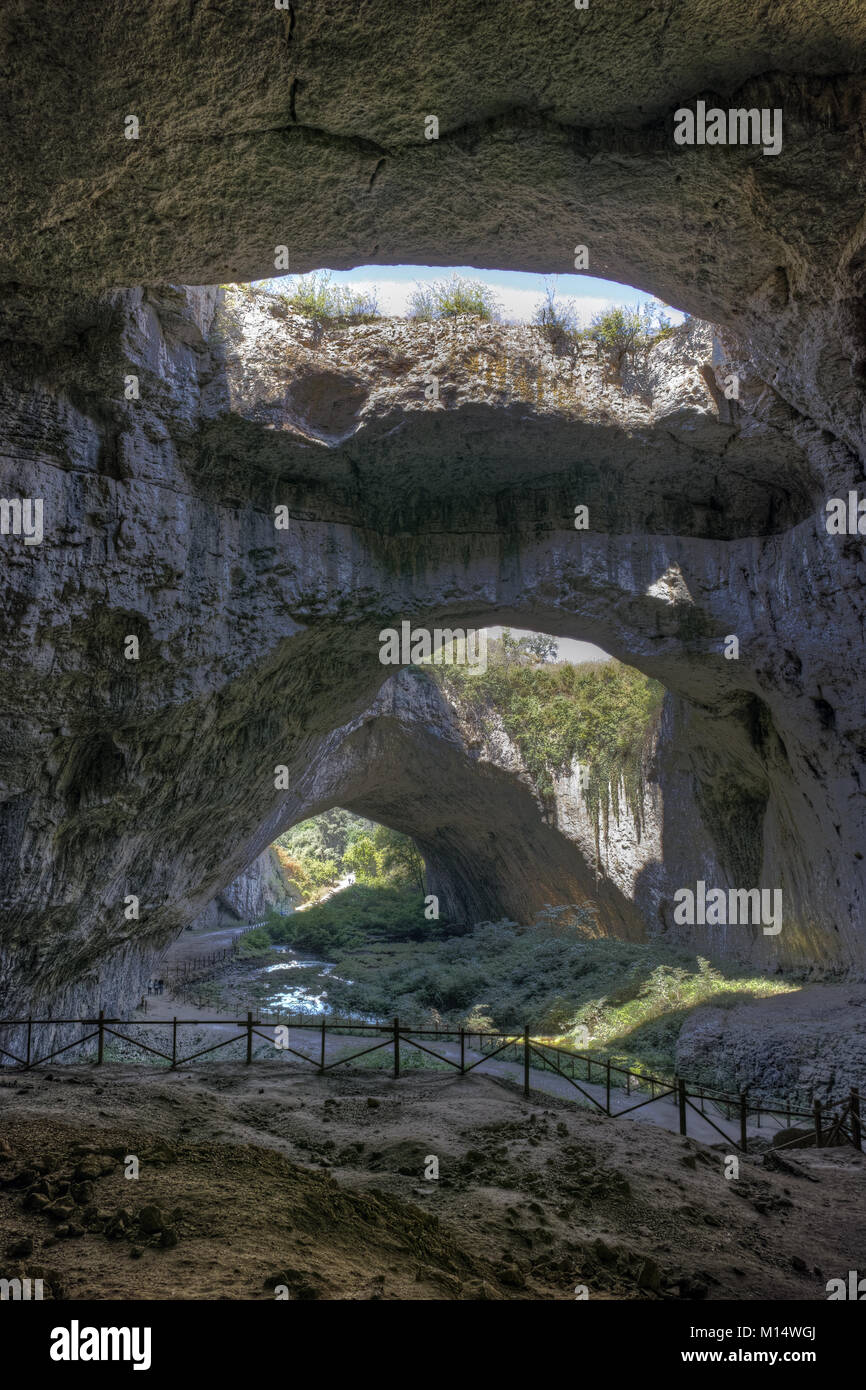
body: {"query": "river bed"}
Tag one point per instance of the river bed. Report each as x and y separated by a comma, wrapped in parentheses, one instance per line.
(305, 995)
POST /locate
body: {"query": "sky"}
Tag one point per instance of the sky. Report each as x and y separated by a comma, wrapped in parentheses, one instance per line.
(570, 649)
(518, 291)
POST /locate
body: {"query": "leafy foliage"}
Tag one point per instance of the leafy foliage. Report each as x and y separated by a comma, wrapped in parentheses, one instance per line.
(358, 914)
(254, 943)
(624, 332)
(317, 298)
(385, 857)
(599, 714)
(326, 836)
(317, 853)
(448, 299)
(632, 998)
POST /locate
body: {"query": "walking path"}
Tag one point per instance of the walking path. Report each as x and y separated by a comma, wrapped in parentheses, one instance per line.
(190, 945)
(663, 1112)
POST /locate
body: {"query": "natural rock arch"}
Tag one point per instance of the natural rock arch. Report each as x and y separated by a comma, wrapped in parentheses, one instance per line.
(259, 648)
(272, 129)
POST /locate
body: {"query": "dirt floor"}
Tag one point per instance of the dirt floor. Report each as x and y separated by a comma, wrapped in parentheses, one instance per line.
(257, 1182)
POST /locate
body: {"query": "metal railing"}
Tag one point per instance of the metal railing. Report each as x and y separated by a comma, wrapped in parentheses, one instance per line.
(831, 1123)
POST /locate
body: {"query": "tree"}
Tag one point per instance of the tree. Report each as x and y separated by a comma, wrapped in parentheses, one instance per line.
(542, 647)
(360, 859)
(397, 856)
(534, 648)
(510, 647)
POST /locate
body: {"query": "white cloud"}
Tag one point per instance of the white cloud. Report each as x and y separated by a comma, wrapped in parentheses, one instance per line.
(516, 305)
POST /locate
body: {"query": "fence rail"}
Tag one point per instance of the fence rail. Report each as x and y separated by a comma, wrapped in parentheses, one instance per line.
(834, 1122)
(196, 968)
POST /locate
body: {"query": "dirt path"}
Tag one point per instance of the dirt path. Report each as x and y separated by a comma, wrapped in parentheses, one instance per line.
(189, 945)
(663, 1112)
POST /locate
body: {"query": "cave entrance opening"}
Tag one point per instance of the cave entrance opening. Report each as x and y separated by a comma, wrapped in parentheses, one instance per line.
(482, 793)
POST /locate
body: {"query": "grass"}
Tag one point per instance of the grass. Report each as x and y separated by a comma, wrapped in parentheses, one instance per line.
(317, 298)
(452, 298)
(632, 998)
(601, 715)
(355, 915)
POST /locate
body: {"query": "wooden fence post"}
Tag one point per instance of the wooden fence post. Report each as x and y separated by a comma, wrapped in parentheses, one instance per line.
(322, 1056)
(29, 1034)
(462, 1052)
(607, 1085)
(855, 1117)
(396, 1047)
(100, 1046)
(249, 1037)
(817, 1124)
(526, 1060)
(744, 1116)
(681, 1087)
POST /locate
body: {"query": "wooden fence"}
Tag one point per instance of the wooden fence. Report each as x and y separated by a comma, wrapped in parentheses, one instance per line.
(186, 972)
(831, 1123)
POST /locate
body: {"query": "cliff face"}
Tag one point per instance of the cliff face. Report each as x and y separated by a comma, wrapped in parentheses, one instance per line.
(247, 898)
(154, 777)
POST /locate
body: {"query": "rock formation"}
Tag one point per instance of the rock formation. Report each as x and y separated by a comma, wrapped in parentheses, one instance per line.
(261, 886)
(161, 440)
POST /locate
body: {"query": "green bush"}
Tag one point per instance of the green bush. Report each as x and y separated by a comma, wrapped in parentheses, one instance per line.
(254, 943)
(448, 299)
(317, 298)
(625, 332)
(358, 914)
(632, 998)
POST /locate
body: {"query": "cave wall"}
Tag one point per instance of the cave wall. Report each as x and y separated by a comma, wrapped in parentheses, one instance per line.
(257, 646)
(262, 885)
(305, 128)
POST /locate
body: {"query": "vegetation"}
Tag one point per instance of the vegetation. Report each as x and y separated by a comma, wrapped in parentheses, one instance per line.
(598, 714)
(631, 998)
(627, 333)
(557, 320)
(358, 914)
(622, 332)
(317, 298)
(448, 299)
(317, 853)
(227, 325)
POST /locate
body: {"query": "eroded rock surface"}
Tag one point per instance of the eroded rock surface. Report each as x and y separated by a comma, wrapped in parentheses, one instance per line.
(261, 886)
(259, 648)
(308, 128)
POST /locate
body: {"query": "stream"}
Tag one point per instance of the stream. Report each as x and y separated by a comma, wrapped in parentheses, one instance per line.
(308, 995)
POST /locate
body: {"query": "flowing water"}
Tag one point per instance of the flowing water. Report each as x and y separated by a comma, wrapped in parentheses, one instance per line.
(305, 995)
